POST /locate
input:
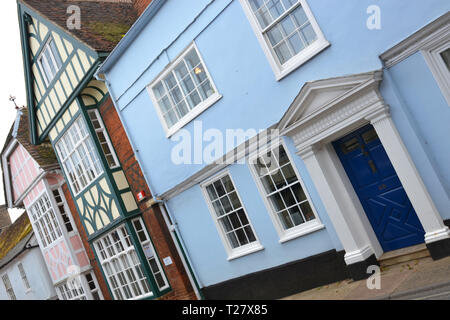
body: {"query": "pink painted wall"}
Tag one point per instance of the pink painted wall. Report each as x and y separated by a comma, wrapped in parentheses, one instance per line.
(23, 170)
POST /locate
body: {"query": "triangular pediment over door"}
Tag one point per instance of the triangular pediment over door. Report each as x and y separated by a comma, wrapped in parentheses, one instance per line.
(321, 104)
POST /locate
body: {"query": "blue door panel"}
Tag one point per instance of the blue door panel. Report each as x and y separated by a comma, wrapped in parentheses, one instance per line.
(379, 189)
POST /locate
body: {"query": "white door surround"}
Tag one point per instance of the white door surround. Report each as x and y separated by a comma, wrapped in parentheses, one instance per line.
(327, 110)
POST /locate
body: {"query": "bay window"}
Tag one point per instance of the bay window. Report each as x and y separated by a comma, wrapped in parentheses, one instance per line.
(78, 156)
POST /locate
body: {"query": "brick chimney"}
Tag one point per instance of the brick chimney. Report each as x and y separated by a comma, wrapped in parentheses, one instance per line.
(141, 5)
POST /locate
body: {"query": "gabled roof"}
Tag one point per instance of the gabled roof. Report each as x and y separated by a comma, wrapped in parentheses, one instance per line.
(14, 239)
(43, 154)
(103, 23)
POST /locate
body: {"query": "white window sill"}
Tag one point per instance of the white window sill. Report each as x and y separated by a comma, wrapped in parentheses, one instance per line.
(301, 58)
(245, 251)
(301, 230)
(194, 113)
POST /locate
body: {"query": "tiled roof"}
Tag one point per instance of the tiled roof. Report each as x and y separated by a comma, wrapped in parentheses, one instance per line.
(14, 239)
(103, 23)
(5, 220)
(43, 154)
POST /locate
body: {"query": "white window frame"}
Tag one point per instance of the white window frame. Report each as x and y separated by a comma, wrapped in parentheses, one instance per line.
(41, 224)
(108, 260)
(67, 212)
(155, 255)
(8, 287)
(432, 55)
(23, 275)
(197, 110)
(95, 282)
(57, 67)
(297, 231)
(300, 58)
(72, 289)
(239, 251)
(69, 153)
(102, 129)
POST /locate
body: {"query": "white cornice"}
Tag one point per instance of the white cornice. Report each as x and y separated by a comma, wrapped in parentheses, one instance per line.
(417, 41)
(348, 85)
(245, 149)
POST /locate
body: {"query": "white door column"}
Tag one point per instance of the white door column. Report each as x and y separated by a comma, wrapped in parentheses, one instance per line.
(343, 207)
(421, 200)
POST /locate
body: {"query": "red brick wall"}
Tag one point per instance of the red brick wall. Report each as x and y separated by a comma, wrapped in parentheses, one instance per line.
(87, 247)
(176, 274)
(141, 5)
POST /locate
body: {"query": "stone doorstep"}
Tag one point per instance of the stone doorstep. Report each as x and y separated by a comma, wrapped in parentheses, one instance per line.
(404, 255)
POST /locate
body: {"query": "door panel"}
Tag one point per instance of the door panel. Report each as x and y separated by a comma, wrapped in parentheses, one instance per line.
(379, 189)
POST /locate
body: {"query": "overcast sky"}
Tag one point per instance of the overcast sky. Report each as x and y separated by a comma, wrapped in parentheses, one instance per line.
(11, 76)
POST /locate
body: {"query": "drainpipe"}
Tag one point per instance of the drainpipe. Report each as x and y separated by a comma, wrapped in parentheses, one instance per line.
(178, 241)
(174, 231)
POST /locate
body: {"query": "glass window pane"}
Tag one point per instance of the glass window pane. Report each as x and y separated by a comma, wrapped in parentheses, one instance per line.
(275, 35)
(243, 240)
(296, 215)
(226, 204)
(233, 240)
(219, 188)
(278, 179)
(55, 54)
(296, 43)
(235, 221)
(159, 90)
(170, 118)
(298, 192)
(286, 220)
(235, 200)
(309, 34)
(211, 192)
(283, 52)
(228, 184)
(182, 109)
(170, 81)
(307, 211)
(192, 59)
(277, 202)
(249, 232)
(218, 208)
(226, 224)
(287, 25)
(243, 217)
(299, 16)
(268, 184)
(289, 174)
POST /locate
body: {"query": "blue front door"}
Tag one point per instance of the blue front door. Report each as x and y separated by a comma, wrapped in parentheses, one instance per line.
(379, 189)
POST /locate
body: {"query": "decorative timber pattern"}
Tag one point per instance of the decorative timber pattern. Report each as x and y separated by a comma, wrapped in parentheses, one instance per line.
(76, 61)
(97, 207)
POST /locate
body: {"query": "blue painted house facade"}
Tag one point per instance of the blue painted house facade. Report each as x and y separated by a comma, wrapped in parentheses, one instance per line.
(293, 142)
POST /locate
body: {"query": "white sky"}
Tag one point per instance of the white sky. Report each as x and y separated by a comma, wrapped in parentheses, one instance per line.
(11, 76)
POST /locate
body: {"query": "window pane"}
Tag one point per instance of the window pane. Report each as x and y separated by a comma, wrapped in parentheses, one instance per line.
(186, 86)
(229, 212)
(290, 35)
(288, 199)
(55, 54)
(296, 216)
